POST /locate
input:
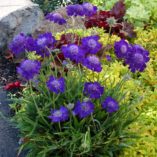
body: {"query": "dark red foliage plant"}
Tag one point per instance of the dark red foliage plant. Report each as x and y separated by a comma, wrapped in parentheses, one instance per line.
(112, 21)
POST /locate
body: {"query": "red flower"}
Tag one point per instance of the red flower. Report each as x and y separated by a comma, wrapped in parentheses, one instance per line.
(13, 85)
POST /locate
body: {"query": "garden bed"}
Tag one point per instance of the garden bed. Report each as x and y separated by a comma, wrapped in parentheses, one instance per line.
(86, 92)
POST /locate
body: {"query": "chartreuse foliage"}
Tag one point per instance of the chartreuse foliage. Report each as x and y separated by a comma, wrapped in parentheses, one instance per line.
(138, 12)
(144, 85)
(146, 124)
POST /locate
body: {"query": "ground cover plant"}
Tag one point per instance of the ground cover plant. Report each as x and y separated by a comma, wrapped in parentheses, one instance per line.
(82, 89)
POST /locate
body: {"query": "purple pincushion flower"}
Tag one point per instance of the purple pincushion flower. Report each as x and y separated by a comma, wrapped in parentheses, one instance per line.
(108, 58)
(83, 109)
(75, 10)
(56, 18)
(93, 89)
(56, 85)
(29, 68)
(110, 105)
(60, 115)
(30, 44)
(121, 49)
(137, 59)
(89, 9)
(43, 42)
(22, 43)
(17, 45)
(91, 44)
(92, 62)
(73, 52)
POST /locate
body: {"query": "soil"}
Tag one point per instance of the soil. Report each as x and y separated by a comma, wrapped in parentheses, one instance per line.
(7, 71)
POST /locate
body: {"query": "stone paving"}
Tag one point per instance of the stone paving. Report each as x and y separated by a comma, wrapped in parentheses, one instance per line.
(8, 134)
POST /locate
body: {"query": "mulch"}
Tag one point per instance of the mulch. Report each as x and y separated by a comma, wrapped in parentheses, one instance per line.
(7, 71)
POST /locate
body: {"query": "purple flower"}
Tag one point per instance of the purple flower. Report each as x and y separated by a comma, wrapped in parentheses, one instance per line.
(75, 10)
(121, 49)
(108, 57)
(29, 68)
(93, 89)
(110, 105)
(73, 52)
(22, 43)
(17, 45)
(91, 44)
(43, 42)
(89, 9)
(83, 109)
(56, 18)
(92, 62)
(56, 85)
(60, 115)
(137, 59)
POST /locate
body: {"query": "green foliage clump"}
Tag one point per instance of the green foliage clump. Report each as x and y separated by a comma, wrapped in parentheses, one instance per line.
(101, 133)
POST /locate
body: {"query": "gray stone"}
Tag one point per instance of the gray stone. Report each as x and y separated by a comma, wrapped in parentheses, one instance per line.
(18, 16)
(8, 134)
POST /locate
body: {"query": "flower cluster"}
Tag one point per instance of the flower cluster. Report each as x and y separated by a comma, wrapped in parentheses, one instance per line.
(23, 43)
(93, 89)
(134, 55)
(43, 43)
(73, 52)
(28, 69)
(85, 52)
(56, 85)
(110, 105)
(91, 44)
(86, 9)
(60, 115)
(81, 109)
(56, 18)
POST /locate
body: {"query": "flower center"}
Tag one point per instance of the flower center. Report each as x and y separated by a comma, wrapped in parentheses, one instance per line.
(123, 49)
(85, 107)
(111, 104)
(57, 15)
(93, 60)
(138, 58)
(41, 41)
(57, 114)
(92, 43)
(29, 65)
(79, 8)
(55, 84)
(73, 49)
(93, 88)
(88, 6)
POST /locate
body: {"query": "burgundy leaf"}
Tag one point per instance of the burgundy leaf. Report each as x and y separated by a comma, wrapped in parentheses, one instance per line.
(119, 10)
